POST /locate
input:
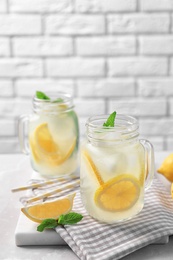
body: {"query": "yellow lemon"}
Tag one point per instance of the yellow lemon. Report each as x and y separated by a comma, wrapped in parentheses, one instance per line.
(92, 167)
(53, 209)
(118, 194)
(34, 150)
(45, 149)
(172, 190)
(166, 167)
(44, 139)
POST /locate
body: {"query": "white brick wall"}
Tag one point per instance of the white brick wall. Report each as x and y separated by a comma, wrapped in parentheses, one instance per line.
(28, 87)
(94, 6)
(108, 45)
(75, 67)
(139, 107)
(40, 6)
(156, 45)
(137, 66)
(42, 46)
(4, 47)
(21, 67)
(138, 23)
(108, 87)
(109, 54)
(156, 5)
(3, 6)
(15, 24)
(72, 24)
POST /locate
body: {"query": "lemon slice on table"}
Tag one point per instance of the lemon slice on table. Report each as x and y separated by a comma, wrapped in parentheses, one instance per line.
(53, 209)
(118, 194)
(166, 167)
(45, 149)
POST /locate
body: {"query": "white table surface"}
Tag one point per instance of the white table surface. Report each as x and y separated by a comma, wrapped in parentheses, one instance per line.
(15, 171)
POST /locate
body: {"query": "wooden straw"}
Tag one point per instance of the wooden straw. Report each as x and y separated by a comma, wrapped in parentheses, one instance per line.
(48, 194)
(42, 184)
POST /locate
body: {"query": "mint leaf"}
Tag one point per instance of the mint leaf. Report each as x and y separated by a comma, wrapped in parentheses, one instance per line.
(67, 219)
(41, 95)
(47, 223)
(111, 120)
(70, 218)
(58, 100)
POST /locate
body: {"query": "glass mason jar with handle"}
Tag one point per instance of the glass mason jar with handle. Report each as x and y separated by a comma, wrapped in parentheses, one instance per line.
(116, 168)
(53, 135)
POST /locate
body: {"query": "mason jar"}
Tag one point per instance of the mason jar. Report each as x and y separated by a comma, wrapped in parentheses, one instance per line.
(116, 169)
(53, 135)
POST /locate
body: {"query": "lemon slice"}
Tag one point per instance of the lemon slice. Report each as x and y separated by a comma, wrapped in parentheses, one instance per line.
(44, 139)
(92, 167)
(34, 150)
(57, 159)
(172, 190)
(118, 194)
(54, 209)
(45, 149)
(166, 167)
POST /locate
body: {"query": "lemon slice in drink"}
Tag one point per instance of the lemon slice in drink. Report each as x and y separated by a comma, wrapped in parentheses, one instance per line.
(45, 149)
(44, 139)
(53, 209)
(118, 194)
(92, 167)
(34, 150)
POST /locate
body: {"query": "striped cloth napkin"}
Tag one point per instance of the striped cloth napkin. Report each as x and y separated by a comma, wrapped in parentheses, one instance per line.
(91, 240)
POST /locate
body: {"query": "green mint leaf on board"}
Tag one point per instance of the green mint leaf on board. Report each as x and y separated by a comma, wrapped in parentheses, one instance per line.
(47, 223)
(41, 95)
(67, 219)
(70, 218)
(111, 120)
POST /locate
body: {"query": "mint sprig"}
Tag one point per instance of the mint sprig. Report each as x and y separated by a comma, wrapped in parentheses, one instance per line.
(47, 223)
(70, 218)
(58, 100)
(111, 120)
(41, 95)
(67, 219)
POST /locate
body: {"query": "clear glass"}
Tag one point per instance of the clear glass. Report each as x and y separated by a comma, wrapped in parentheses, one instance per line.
(116, 168)
(53, 135)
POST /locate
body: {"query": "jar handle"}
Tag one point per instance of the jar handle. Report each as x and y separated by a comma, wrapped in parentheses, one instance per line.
(149, 162)
(22, 122)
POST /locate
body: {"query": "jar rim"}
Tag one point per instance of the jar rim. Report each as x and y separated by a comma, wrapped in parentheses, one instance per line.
(121, 121)
(125, 129)
(50, 105)
(56, 94)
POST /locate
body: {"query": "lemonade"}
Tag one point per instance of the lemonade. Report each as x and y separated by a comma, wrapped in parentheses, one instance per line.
(113, 171)
(53, 136)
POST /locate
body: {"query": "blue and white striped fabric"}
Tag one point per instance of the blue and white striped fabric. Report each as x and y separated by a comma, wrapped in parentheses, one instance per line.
(91, 240)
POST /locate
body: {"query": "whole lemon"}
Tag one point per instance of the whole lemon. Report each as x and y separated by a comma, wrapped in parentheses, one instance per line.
(166, 168)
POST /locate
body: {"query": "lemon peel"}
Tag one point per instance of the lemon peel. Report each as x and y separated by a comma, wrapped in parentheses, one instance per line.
(172, 190)
(92, 167)
(166, 168)
(53, 209)
(118, 194)
(44, 149)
